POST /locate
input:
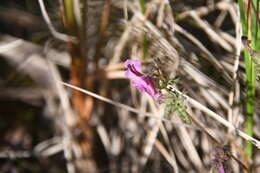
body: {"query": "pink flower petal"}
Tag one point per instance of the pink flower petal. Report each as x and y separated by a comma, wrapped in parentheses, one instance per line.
(130, 74)
(142, 82)
(133, 68)
(145, 84)
(135, 63)
(221, 169)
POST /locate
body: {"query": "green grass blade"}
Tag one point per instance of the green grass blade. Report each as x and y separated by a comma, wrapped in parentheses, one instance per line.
(251, 30)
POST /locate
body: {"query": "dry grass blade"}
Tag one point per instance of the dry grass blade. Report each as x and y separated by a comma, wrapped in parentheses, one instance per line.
(212, 34)
(200, 77)
(234, 94)
(193, 102)
(56, 34)
(170, 156)
(111, 101)
(166, 155)
(189, 147)
(212, 114)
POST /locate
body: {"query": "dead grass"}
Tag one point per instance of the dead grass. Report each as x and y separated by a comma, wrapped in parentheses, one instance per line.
(201, 46)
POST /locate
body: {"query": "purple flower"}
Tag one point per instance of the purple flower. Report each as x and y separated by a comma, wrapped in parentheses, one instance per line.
(221, 157)
(221, 169)
(141, 81)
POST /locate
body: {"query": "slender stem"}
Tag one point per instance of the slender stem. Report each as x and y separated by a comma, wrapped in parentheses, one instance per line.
(193, 102)
(250, 92)
(250, 29)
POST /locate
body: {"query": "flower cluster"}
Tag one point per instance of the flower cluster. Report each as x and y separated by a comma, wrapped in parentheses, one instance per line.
(221, 158)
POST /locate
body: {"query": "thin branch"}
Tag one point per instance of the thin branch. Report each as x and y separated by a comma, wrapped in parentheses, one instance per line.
(123, 106)
(188, 99)
(220, 119)
(104, 99)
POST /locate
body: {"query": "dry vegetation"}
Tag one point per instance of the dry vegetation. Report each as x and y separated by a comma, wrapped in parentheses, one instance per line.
(49, 127)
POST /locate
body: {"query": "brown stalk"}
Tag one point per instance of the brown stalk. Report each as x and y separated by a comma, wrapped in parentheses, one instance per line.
(82, 104)
(77, 71)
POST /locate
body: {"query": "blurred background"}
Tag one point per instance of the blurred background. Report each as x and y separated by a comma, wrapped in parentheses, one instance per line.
(48, 127)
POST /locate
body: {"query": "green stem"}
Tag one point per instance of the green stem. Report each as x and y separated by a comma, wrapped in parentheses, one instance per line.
(250, 29)
(70, 21)
(250, 93)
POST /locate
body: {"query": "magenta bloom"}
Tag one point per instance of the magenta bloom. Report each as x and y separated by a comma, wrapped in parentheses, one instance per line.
(222, 156)
(221, 169)
(141, 81)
